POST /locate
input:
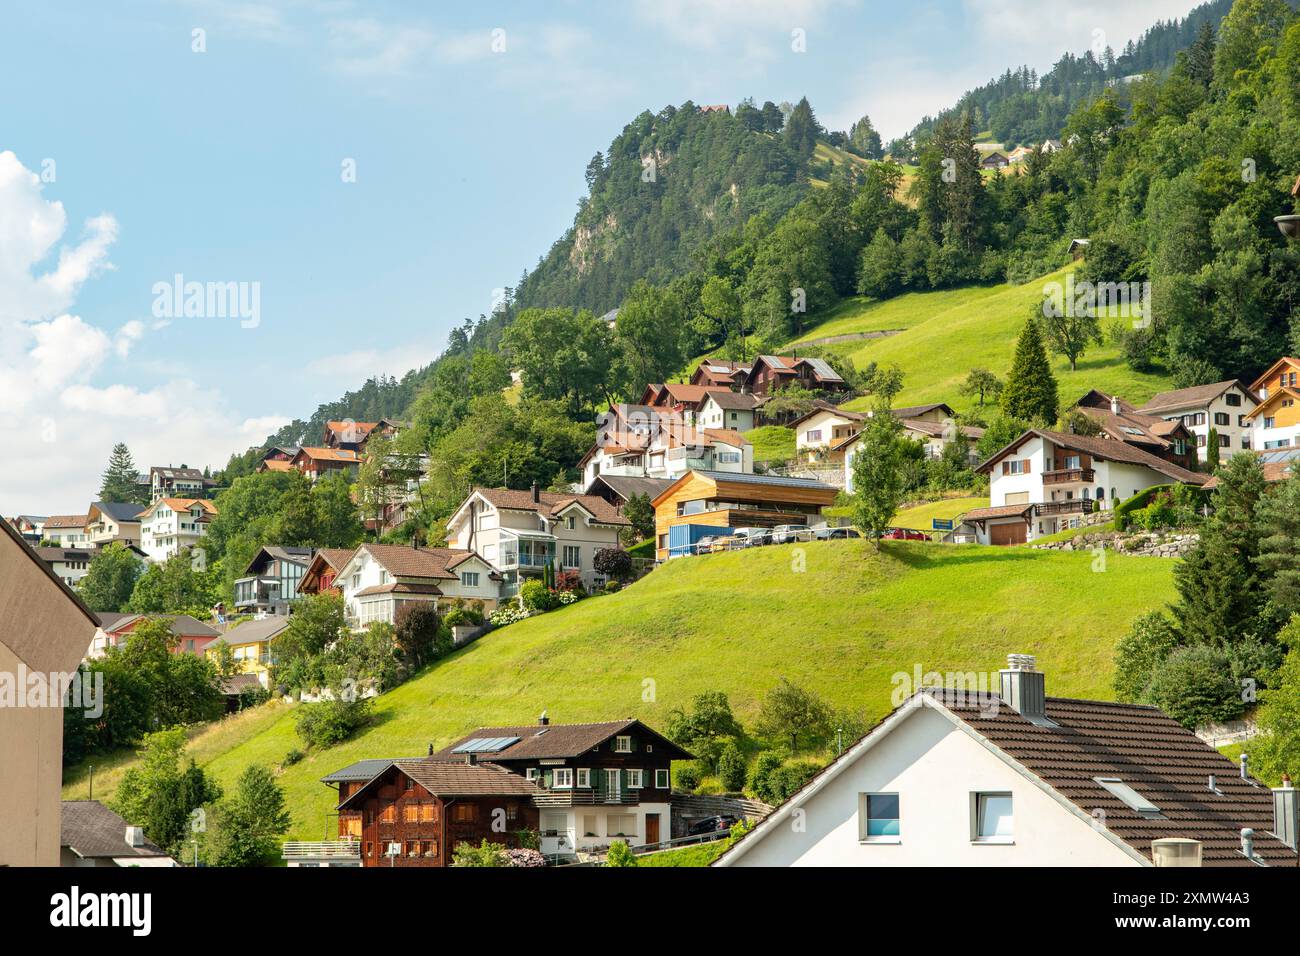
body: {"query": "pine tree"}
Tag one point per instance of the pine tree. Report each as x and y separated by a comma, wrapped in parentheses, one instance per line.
(801, 129)
(1279, 549)
(1212, 451)
(1030, 389)
(119, 479)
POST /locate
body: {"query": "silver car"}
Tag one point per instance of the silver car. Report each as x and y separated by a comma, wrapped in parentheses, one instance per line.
(788, 533)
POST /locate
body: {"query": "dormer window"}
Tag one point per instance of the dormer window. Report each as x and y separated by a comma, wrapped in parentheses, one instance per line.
(623, 745)
(571, 522)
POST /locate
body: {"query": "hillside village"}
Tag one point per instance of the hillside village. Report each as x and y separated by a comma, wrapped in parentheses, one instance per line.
(389, 655)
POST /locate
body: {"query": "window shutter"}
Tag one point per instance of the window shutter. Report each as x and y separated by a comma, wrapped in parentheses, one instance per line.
(1006, 467)
(1026, 466)
(546, 779)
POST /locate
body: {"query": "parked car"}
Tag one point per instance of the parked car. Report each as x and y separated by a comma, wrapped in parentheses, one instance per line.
(706, 545)
(905, 534)
(724, 821)
(787, 533)
(752, 537)
(833, 534)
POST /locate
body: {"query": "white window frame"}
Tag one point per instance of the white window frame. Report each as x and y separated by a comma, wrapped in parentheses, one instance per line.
(469, 579)
(584, 778)
(530, 773)
(663, 780)
(635, 778)
(864, 819)
(576, 563)
(567, 773)
(622, 744)
(977, 801)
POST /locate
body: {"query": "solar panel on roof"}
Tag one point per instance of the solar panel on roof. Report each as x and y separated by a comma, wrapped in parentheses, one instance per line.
(484, 745)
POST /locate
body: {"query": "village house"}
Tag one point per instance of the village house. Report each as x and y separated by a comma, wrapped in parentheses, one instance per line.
(182, 482)
(29, 527)
(771, 372)
(271, 579)
(718, 372)
(1007, 776)
(379, 579)
(640, 441)
(520, 533)
(109, 521)
(250, 644)
(618, 490)
(191, 635)
(1019, 154)
(92, 835)
(712, 504)
(1222, 406)
(324, 567)
(723, 408)
(1275, 421)
(278, 458)
(994, 160)
(69, 564)
(1045, 482)
(171, 525)
(65, 531)
(819, 435)
(316, 463)
(1118, 420)
(47, 630)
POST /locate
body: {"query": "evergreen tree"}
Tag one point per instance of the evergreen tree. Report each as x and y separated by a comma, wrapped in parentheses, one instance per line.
(879, 473)
(252, 821)
(773, 118)
(119, 480)
(864, 140)
(801, 129)
(1198, 65)
(1279, 549)
(1030, 390)
(1212, 451)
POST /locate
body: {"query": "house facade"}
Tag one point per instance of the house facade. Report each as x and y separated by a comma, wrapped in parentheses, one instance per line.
(316, 463)
(191, 635)
(270, 580)
(772, 372)
(323, 569)
(170, 525)
(1045, 482)
(69, 564)
(109, 521)
(92, 835)
(642, 441)
(1118, 420)
(379, 579)
(519, 533)
(251, 645)
(65, 531)
(723, 408)
(183, 482)
(710, 503)
(721, 373)
(1224, 407)
(1275, 421)
(1010, 777)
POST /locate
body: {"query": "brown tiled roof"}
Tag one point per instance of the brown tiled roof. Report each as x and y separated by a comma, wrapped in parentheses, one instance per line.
(936, 428)
(1000, 511)
(408, 562)
(1104, 448)
(329, 454)
(1197, 395)
(94, 831)
(1273, 471)
(916, 411)
(541, 741)
(449, 778)
(726, 399)
(1152, 753)
(65, 521)
(550, 503)
(336, 557)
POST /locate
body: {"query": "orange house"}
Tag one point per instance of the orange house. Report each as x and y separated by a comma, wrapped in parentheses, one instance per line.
(1276, 418)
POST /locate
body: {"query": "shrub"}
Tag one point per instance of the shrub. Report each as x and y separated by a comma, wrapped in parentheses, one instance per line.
(570, 582)
(565, 598)
(614, 563)
(331, 721)
(292, 757)
(731, 767)
(760, 776)
(485, 854)
(1148, 643)
(686, 776)
(417, 631)
(1194, 686)
(507, 614)
(536, 596)
(613, 587)
(620, 854)
(524, 856)
(790, 779)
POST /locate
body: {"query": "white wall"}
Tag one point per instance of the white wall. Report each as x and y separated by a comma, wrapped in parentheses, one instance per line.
(934, 767)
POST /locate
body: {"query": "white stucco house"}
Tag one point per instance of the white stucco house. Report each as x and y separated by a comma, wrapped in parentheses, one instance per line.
(518, 533)
(170, 525)
(1222, 406)
(379, 579)
(643, 441)
(1011, 777)
(1045, 482)
(723, 408)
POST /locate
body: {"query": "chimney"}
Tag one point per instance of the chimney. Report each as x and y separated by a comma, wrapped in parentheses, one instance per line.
(1114, 404)
(543, 720)
(537, 494)
(1248, 843)
(1244, 759)
(1286, 813)
(1024, 689)
(135, 836)
(430, 750)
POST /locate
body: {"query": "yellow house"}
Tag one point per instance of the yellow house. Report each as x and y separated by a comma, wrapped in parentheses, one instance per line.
(1276, 419)
(250, 645)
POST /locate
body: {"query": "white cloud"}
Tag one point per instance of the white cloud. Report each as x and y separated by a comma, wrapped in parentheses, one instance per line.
(709, 24)
(59, 423)
(359, 365)
(1059, 25)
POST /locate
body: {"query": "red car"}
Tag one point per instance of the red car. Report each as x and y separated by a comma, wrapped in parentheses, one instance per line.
(905, 534)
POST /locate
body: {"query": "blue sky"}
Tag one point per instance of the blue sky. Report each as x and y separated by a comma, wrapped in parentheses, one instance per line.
(136, 158)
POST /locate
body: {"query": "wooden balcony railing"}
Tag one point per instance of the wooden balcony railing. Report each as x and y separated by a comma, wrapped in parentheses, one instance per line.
(1065, 476)
(1070, 507)
(585, 798)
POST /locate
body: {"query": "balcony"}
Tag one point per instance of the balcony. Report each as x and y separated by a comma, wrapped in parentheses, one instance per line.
(1067, 476)
(585, 798)
(1072, 506)
(321, 850)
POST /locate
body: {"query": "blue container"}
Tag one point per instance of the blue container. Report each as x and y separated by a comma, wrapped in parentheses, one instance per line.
(682, 538)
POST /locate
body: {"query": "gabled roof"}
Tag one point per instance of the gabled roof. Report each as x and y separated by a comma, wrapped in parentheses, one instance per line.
(916, 411)
(65, 554)
(180, 504)
(625, 487)
(543, 741)
(256, 631)
(736, 478)
(93, 831)
(362, 770)
(65, 521)
(1144, 748)
(453, 778)
(404, 561)
(328, 454)
(182, 625)
(1195, 397)
(1271, 402)
(1268, 373)
(731, 401)
(823, 407)
(1103, 448)
(293, 553)
(47, 628)
(120, 511)
(549, 503)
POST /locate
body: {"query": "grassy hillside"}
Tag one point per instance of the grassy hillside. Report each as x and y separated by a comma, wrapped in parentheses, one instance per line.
(841, 625)
(946, 334)
(922, 516)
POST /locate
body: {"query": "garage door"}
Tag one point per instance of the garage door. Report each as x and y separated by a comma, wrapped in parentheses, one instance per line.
(1013, 533)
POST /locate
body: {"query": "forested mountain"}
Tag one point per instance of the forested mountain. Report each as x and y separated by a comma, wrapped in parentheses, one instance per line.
(1021, 107)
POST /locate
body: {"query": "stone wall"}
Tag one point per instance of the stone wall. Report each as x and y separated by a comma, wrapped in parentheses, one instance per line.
(1156, 544)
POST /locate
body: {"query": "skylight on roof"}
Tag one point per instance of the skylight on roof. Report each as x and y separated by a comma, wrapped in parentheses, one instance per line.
(1130, 798)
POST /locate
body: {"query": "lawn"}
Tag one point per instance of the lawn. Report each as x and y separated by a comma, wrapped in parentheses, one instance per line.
(955, 331)
(832, 616)
(863, 314)
(772, 442)
(700, 854)
(922, 516)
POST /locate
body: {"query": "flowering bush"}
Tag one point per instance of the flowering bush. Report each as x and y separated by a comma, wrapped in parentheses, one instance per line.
(508, 614)
(567, 597)
(524, 857)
